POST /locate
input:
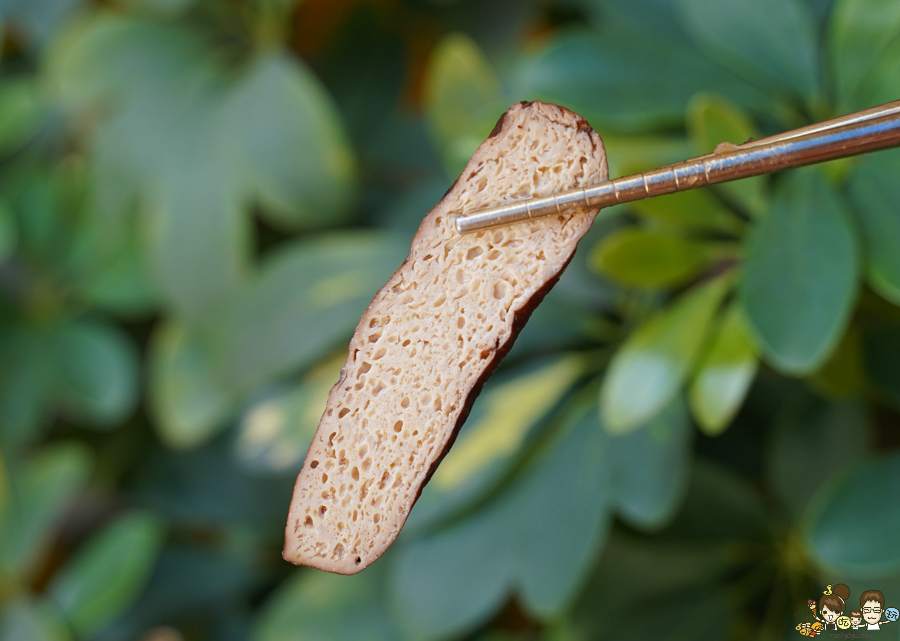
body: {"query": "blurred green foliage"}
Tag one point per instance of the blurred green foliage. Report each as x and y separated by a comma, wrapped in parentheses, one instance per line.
(198, 198)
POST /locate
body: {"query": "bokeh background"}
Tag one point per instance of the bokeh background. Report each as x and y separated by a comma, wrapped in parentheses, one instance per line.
(697, 431)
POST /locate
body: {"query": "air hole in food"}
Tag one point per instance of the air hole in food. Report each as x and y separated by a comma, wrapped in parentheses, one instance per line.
(358, 559)
(373, 338)
(342, 414)
(354, 473)
(308, 522)
(367, 464)
(461, 322)
(322, 510)
(485, 353)
(378, 388)
(493, 255)
(405, 402)
(331, 439)
(398, 426)
(380, 353)
(376, 518)
(374, 322)
(405, 343)
(363, 369)
(314, 464)
(474, 252)
(339, 551)
(499, 290)
(324, 478)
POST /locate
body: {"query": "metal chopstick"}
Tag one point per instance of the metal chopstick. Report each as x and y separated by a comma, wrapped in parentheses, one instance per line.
(850, 135)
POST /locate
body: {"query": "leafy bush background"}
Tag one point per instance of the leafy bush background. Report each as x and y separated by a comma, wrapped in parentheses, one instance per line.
(198, 198)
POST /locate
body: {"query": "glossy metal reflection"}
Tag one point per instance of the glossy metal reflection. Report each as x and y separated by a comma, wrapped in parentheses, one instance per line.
(857, 133)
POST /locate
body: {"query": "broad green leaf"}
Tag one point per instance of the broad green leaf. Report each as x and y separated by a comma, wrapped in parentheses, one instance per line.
(8, 232)
(623, 80)
(108, 57)
(858, 34)
(649, 369)
(40, 491)
(315, 605)
(528, 540)
(768, 41)
(462, 99)
(28, 381)
(21, 113)
(852, 525)
(197, 234)
(98, 373)
(296, 152)
(810, 443)
(188, 401)
(305, 299)
(651, 468)
(631, 153)
(163, 7)
(275, 432)
(724, 373)
(694, 209)
(638, 258)
(712, 120)
(882, 83)
(503, 421)
(32, 620)
(874, 190)
(800, 276)
(108, 574)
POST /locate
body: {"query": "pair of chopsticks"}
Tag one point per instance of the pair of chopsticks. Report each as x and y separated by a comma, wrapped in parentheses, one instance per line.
(857, 133)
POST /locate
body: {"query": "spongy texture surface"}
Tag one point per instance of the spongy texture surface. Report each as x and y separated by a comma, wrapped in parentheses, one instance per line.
(432, 335)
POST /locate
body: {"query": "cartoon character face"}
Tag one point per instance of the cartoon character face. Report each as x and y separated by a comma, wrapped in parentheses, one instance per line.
(843, 622)
(855, 620)
(872, 612)
(829, 614)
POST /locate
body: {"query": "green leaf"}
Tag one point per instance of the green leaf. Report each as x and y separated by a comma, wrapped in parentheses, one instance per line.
(108, 574)
(188, 401)
(462, 99)
(305, 300)
(21, 113)
(295, 149)
(37, 499)
(811, 442)
(874, 190)
(695, 209)
(623, 80)
(650, 468)
(8, 233)
(197, 233)
(98, 373)
(852, 524)
(649, 369)
(800, 277)
(860, 31)
(32, 620)
(712, 120)
(724, 373)
(638, 258)
(527, 539)
(768, 41)
(275, 432)
(314, 605)
(28, 381)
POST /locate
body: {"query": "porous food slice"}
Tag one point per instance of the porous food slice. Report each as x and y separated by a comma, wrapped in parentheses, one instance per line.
(433, 334)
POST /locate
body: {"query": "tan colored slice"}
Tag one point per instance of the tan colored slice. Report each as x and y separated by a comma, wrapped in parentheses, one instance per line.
(432, 336)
